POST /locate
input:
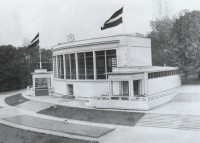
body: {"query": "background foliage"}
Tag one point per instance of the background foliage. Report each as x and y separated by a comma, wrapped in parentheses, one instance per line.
(176, 42)
(16, 64)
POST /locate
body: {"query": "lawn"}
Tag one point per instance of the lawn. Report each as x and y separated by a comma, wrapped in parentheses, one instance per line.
(97, 116)
(13, 135)
(51, 125)
(15, 99)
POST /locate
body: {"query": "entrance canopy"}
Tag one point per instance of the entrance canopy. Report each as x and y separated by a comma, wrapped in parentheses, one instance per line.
(128, 82)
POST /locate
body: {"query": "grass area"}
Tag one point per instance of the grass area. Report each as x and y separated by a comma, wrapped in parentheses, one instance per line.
(15, 99)
(64, 127)
(97, 116)
(13, 135)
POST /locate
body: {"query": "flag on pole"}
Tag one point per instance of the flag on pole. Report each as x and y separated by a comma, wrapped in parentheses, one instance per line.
(114, 20)
(34, 42)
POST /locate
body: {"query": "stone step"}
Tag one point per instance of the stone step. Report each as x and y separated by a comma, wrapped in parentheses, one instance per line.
(41, 92)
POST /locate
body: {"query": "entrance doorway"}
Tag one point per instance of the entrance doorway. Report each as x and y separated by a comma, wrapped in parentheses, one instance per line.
(70, 89)
(41, 87)
(125, 88)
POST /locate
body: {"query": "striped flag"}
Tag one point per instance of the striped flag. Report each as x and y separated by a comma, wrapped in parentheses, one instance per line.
(34, 42)
(114, 20)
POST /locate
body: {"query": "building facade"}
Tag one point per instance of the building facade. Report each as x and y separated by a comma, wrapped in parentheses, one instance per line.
(113, 72)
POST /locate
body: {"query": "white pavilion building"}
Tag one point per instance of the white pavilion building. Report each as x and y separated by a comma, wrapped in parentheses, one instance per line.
(112, 72)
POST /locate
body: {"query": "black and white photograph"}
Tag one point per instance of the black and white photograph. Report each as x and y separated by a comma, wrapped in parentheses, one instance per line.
(99, 71)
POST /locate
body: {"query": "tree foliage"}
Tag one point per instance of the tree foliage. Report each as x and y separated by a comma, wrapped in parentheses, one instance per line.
(16, 64)
(185, 42)
(160, 37)
(177, 42)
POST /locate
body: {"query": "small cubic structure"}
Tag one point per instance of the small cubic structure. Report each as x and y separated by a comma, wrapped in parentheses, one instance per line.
(41, 83)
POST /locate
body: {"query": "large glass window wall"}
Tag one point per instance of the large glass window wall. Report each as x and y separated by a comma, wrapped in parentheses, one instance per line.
(105, 61)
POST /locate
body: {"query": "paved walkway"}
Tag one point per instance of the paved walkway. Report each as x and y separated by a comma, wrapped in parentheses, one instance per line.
(185, 104)
(58, 100)
(27, 109)
(34, 105)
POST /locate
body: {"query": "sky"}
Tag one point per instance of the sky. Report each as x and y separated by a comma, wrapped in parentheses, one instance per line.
(56, 19)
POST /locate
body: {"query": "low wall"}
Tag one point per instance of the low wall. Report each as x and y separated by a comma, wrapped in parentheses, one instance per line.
(82, 88)
(143, 103)
(118, 104)
(161, 84)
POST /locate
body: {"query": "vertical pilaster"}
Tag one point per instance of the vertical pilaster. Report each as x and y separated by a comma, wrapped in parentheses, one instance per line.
(48, 85)
(33, 86)
(130, 89)
(56, 66)
(33, 82)
(145, 83)
(110, 88)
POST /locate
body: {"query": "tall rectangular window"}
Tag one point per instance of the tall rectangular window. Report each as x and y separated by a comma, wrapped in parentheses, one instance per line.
(81, 65)
(89, 65)
(111, 60)
(105, 61)
(100, 65)
(54, 67)
(67, 66)
(73, 66)
(60, 67)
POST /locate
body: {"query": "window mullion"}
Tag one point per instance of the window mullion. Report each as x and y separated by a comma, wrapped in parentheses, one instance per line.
(70, 71)
(85, 65)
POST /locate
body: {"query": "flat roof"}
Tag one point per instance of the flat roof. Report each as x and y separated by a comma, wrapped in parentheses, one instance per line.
(100, 40)
(140, 69)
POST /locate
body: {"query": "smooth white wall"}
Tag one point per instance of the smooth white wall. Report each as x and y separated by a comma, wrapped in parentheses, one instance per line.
(156, 85)
(82, 88)
(134, 56)
(134, 51)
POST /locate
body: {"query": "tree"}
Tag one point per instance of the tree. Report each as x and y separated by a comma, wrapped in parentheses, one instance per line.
(16, 64)
(8, 68)
(160, 37)
(185, 42)
(26, 42)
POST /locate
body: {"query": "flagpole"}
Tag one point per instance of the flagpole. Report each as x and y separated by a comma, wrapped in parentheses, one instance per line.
(123, 25)
(40, 52)
(40, 58)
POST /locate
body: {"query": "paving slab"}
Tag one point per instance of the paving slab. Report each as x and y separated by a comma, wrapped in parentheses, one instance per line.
(9, 112)
(151, 135)
(34, 105)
